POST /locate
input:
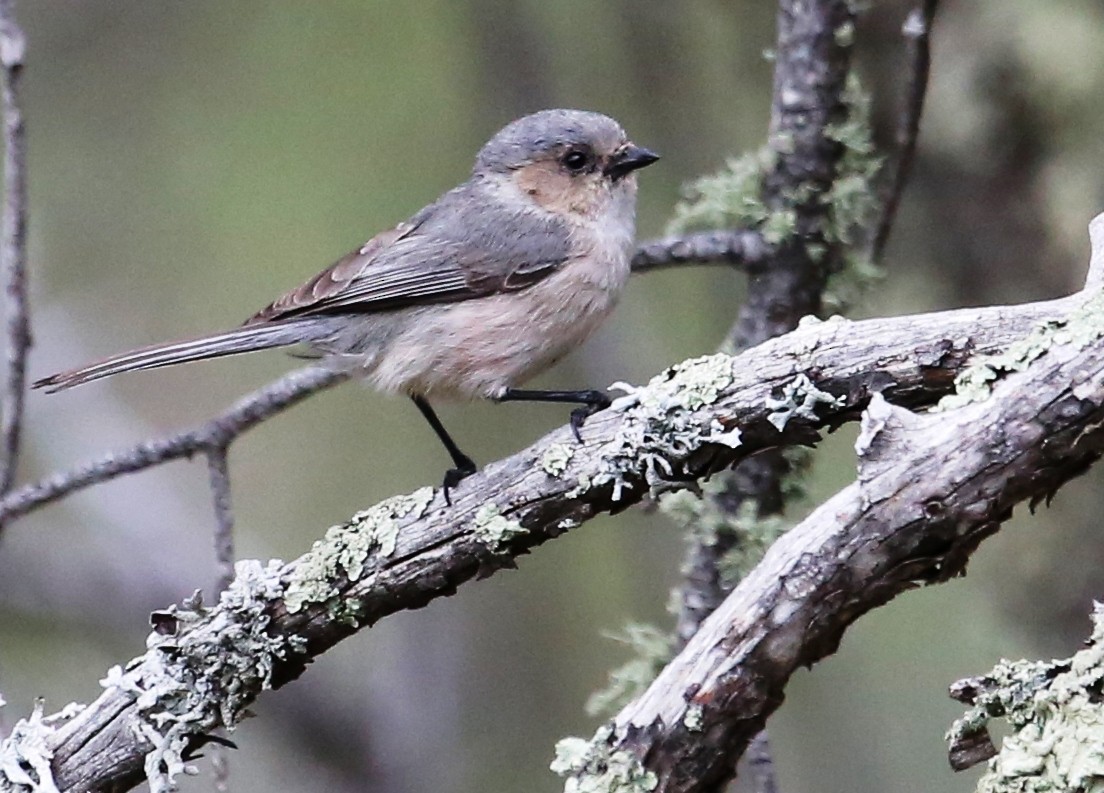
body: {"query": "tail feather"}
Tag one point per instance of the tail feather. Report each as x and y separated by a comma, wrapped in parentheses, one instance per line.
(217, 345)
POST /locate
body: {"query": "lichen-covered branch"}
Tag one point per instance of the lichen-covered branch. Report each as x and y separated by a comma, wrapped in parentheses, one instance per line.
(210, 662)
(1056, 716)
(13, 245)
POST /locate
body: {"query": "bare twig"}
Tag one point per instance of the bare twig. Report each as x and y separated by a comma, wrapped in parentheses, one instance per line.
(224, 561)
(224, 516)
(218, 470)
(745, 249)
(13, 244)
(917, 33)
(217, 433)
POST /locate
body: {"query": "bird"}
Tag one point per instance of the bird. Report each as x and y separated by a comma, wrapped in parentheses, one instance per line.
(489, 285)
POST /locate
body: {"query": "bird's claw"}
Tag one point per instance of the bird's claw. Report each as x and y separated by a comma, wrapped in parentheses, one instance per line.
(596, 401)
(454, 476)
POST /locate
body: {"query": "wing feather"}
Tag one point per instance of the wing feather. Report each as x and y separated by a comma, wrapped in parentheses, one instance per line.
(461, 247)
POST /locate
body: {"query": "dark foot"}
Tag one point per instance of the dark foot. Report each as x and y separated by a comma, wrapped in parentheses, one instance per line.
(592, 401)
(596, 401)
(454, 476)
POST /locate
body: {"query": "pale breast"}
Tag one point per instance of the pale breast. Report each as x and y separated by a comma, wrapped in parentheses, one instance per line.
(478, 348)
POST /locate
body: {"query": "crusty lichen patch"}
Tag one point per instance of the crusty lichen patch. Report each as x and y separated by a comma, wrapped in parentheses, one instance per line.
(1057, 719)
(595, 767)
(494, 528)
(346, 548)
(1082, 327)
(555, 458)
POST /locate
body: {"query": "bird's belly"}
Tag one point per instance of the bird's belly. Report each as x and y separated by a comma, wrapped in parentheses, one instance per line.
(478, 348)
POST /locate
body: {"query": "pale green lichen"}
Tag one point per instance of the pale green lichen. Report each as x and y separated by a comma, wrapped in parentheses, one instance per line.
(25, 755)
(661, 422)
(1082, 327)
(853, 201)
(651, 649)
(494, 528)
(347, 547)
(1057, 719)
(800, 398)
(729, 198)
(555, 459)
(694, 719)
(595, 767)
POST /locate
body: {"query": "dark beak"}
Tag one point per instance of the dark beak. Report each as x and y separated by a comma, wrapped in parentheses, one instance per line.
(627, 159)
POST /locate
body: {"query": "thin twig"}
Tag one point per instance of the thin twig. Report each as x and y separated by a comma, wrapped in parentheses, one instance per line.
(13, 244)
(219, 473)
(218, 432)
(745, 249)
(917, 33)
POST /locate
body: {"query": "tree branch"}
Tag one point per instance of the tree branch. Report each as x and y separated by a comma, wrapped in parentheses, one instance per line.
(13, 243)
(745, 249)
(930, 488)
(811, 66)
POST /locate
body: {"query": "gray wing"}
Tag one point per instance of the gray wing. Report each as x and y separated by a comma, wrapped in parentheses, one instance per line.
(463, 246)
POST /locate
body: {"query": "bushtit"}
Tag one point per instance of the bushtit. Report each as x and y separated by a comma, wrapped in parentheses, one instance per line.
(493, 282)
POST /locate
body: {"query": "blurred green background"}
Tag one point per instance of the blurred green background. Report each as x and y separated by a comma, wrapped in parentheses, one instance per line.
(192, 160)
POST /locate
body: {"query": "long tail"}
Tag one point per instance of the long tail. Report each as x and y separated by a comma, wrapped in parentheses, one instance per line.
(232, 342)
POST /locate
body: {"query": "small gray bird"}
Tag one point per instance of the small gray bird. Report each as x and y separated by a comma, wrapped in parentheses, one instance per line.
(489, 285)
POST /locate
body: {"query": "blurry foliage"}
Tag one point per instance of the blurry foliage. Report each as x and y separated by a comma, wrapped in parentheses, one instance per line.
(192, 160)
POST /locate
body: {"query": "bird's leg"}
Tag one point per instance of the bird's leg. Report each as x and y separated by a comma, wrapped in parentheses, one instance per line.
(592, 401)
(464, 465)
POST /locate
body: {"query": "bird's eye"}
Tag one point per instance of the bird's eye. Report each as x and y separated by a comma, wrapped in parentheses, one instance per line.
(576, 160)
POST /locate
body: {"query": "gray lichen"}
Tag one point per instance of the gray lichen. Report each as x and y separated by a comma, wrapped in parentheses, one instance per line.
(346, 548)
(203, 667)
(660, 422)
(1056, 717)
(800, 398)
(595, 767)
(494, 528)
